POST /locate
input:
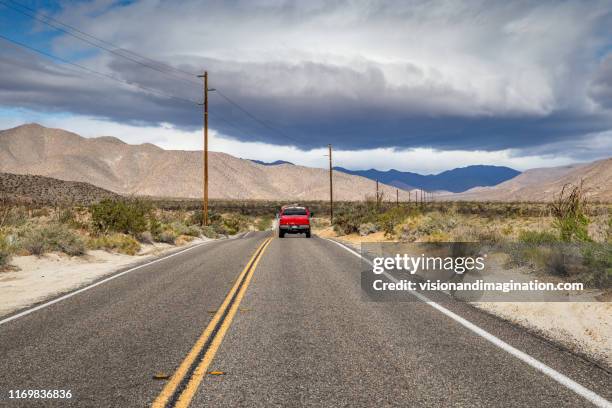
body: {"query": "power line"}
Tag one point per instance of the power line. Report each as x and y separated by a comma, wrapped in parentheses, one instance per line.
(102, 74)
(232, 124)
(255, 118)
(53, 22)
(48, 21)
(46, 16)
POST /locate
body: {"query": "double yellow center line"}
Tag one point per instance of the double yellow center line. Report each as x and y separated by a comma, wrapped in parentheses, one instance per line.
(182, 386)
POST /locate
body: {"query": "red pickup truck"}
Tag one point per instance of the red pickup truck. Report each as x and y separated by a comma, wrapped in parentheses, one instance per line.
(294, 219)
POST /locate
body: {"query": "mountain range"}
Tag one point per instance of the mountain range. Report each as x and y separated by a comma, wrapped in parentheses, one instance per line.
(146, 169)
(544, 184)
(456, 180)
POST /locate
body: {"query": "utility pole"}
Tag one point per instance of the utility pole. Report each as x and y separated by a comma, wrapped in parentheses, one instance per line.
(205, 152)
(377, 197)
(331, 187)
(397, 197)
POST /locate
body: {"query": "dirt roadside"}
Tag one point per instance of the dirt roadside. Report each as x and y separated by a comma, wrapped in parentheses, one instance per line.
(37, 278)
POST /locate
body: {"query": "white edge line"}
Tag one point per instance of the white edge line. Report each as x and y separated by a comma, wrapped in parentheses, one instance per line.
(526, 358)
(93, 285)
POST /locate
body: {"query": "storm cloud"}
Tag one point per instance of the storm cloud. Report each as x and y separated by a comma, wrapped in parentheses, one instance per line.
(530, 76)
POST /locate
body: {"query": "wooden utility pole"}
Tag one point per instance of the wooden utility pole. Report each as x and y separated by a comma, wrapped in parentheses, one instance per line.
(205, 153)
(397, 197)
(331, 186)
(377, 197)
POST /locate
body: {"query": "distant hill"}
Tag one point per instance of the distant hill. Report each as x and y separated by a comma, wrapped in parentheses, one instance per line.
(456, 180)
(274, 163)
(21, 188)
(544, 184)
(146, 169)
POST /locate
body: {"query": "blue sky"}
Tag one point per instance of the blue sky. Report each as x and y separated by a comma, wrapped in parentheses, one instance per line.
(420, 86)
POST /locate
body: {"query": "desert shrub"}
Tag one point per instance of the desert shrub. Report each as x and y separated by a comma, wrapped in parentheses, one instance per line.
(167, 237)
(41, 212)
(490, 235)
(70, 217)
(391, 219)
(598, 259)
(197, 217)
(181, 229)
(319, 222)
(546, 257)
(192, 231)
(219, 228)
(234, 223)
(215, 225)
(13, 216)
(537, 237)
(263, 224)
(50, 238)
(348, 217)
(507, 230)
(145, 237)
(155, 226)
(116, 242)
(438, 236)
(589, 263)
(367, 228)
(66, 216)
(209, 232)
(569, 210)
(124, 216)
(5, 251)
(435, 223)
(557, 260)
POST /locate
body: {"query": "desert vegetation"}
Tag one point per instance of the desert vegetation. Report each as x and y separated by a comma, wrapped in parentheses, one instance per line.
(568, 238)
(114, 224)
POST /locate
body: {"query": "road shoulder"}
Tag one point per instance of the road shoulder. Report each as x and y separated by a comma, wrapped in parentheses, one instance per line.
(40, 279)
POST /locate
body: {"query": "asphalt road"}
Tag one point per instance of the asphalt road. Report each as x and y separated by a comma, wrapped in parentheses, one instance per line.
(301, 335)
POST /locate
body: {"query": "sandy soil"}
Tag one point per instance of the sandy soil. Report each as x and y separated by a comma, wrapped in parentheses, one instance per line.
(583, 326)
(356, 239)
(39, 278)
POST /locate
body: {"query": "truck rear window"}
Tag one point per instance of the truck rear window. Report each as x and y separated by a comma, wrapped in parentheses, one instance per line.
(294, 211)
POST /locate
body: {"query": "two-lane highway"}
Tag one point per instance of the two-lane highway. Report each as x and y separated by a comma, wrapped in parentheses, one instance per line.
(297, 332)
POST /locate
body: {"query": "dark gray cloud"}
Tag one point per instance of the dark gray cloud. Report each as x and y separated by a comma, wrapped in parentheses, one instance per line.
(601, 87)
(32, 82)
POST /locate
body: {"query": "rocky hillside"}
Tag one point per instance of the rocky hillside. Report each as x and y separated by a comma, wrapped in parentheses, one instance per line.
(146, 169)
(40, 190)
